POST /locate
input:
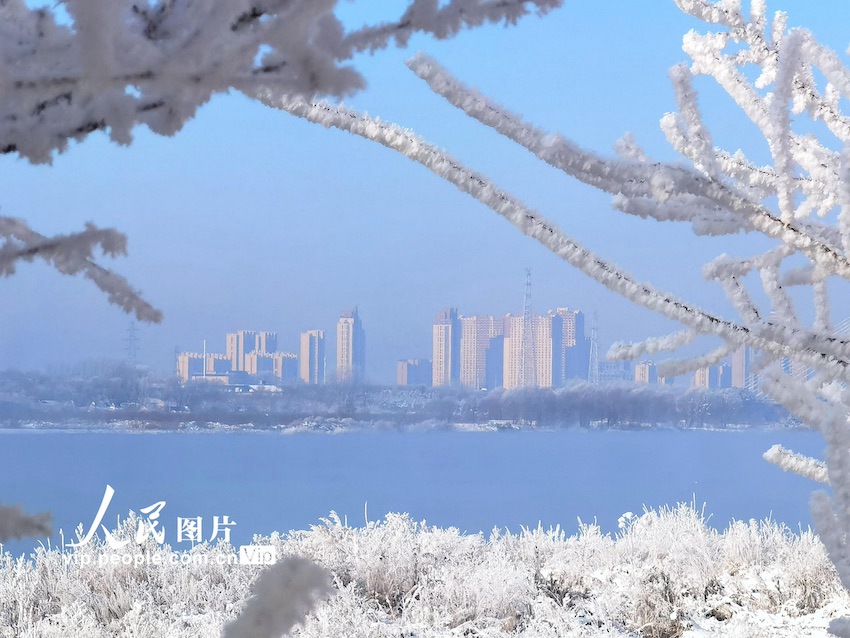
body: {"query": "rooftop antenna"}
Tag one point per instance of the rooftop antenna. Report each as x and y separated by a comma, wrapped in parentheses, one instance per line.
(527, 358)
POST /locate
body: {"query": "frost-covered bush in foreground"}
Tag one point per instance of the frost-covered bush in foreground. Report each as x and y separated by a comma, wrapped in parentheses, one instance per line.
(666, 574)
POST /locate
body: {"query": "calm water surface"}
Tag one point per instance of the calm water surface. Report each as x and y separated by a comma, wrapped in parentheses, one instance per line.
(470, 480)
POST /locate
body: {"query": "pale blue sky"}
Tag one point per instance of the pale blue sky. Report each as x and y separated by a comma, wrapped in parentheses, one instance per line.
(249, 218)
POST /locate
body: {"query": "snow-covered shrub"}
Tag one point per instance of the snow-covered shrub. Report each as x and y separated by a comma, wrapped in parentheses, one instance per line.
(666, 572)
(662, 581)
(565, 567)
(407, 570)
(766, 566)
(493, 585)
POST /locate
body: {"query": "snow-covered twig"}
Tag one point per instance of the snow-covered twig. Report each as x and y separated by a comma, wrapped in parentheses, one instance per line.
(442, 20)
(121, 63)
(797, 463)
(631, 179)
(73, 254)
(652, 345)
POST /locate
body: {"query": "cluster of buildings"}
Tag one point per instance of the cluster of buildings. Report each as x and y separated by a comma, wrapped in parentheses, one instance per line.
(484, 351)
(544, 351)
(250, 355)
(736, 374)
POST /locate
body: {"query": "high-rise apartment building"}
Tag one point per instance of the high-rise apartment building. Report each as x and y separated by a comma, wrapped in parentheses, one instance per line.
(476, 332)
(190, 365)
(646, 372)
(547, 353)
(266, 342)
(724, 375)
(548, 350)
(238, 344)
(482, 351)
(741, 375)
(705, 378)
(243, 342)
(713, 377)
(200, 366)
(495, 362)
(283, 365)
(446, 348)
(350, 348)
(217, 364)
(573, 325)
(512, 353)
(312, 357)
(575, 349)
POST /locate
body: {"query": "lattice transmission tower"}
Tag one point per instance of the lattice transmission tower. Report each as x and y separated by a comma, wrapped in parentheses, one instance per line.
(132, 343)
(593, 360)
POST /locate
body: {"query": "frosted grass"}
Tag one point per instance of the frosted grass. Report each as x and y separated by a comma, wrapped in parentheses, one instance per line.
(665, 574)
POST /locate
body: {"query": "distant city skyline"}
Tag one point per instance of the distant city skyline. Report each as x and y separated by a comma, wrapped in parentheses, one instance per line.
(469, 351)
(235, 351)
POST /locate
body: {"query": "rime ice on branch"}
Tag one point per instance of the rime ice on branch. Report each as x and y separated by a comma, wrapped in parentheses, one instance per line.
(73, 254)
(800, 202)
(119, 63)
(110, 65)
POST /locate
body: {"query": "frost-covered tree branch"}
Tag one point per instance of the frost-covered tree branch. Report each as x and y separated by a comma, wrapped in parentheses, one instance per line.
(830, 353)
(797, 463)
(723, 192)
(74, 254)
(112, 64)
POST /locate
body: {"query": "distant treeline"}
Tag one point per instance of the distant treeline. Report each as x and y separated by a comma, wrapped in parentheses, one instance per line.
(121, 393)
(627, 404)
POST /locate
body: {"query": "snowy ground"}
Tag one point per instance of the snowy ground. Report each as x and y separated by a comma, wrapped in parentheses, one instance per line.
(666, 575)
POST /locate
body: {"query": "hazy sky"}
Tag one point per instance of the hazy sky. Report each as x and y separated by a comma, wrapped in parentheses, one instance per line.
(249, 218)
